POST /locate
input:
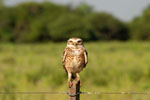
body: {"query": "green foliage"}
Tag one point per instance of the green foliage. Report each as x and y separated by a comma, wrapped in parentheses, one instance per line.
(73, 27)
(139, 27)
(84, 9)
(6, 24)
(36, 22)
(106, 27)
(46, 21)
(1, 3)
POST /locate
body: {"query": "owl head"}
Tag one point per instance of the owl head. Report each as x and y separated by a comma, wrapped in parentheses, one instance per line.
(75, 43)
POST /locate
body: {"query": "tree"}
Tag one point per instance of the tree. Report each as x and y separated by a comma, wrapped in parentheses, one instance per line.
(140, 26)
(1, 3)
(67, 26)
(84, 8)
(106, 27)
(6, 24)
(36, 22)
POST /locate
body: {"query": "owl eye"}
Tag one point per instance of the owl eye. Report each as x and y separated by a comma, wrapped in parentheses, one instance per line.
(70, 42)
(80, 42)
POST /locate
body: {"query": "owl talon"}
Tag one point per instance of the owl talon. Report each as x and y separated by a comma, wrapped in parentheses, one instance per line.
(70, 84)
(78, 81)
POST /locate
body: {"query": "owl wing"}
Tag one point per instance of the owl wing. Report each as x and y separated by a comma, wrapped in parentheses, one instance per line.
(64, 57)
(85, 57)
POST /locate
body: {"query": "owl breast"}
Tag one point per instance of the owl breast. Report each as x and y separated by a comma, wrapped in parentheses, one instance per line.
(76, 61)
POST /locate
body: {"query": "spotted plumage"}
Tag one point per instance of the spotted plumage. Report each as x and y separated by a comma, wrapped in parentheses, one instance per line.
(74, 59)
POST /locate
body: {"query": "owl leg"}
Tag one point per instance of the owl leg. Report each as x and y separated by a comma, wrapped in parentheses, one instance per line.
(69, 80)
(78, 78)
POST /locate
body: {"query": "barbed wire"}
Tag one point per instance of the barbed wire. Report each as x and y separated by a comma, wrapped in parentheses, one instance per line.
(67, 93)
(1, 93)
(120, 93)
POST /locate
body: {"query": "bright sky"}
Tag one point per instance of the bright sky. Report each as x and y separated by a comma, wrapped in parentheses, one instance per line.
(126, 10)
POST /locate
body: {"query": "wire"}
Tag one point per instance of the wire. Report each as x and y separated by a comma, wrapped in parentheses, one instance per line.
(120, 93)
(2, 93)
(73, 95)
(89, 93)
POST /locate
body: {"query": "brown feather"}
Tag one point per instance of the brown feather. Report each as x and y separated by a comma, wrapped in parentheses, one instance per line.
(64, 57)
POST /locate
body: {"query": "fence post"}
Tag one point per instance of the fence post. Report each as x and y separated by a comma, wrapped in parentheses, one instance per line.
(74, 91)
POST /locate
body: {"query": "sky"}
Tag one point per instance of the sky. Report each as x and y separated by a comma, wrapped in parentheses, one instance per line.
(125, 10)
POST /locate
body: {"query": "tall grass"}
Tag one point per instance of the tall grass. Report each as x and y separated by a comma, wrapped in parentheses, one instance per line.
(112, 67)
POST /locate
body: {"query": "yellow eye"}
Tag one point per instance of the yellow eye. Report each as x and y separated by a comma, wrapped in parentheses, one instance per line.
(70, 42)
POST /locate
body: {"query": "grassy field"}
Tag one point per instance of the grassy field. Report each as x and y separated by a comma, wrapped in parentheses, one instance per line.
(112, 67)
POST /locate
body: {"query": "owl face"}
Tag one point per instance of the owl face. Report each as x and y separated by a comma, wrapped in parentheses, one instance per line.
(75, 43)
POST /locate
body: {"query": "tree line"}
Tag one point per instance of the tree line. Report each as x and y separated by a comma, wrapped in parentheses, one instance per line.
(46, 21)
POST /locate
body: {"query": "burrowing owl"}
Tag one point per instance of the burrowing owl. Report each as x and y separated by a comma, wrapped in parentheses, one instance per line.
(74, 59)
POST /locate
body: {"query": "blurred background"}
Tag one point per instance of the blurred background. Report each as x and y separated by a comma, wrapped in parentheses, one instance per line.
(33, 35)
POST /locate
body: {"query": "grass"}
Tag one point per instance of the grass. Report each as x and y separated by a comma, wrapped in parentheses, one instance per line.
(112, 67)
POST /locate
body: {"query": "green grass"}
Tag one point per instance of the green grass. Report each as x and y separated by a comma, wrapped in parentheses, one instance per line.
(112, 67)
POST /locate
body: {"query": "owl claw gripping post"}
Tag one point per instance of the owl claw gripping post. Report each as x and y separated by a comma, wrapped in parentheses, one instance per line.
(75, 59)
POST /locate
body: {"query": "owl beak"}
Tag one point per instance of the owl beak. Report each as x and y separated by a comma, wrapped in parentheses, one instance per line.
(75, 44)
